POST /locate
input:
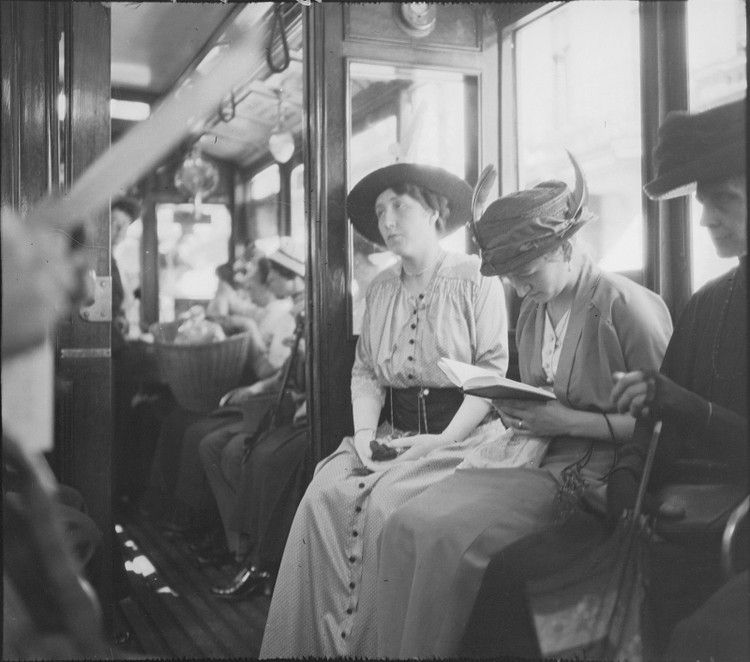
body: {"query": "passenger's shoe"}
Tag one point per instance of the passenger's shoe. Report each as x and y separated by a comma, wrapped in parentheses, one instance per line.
(215, 557)
(247, 582)
(214, 539)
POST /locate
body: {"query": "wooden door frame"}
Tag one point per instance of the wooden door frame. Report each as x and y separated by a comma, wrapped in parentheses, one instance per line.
(31, 171)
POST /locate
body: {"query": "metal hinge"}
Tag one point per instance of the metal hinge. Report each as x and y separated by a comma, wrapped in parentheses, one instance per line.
(101, 309)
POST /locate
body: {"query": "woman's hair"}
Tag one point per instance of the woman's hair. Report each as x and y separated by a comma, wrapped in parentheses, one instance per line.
(428, 199)
(262, 268)
(570, 247)
(285, 273)
(225, 272)
(130, 206)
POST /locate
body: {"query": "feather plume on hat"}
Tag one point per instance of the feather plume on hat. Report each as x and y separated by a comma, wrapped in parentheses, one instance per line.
(521, 226)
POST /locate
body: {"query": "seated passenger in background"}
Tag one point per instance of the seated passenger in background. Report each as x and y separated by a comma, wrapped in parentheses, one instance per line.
(272, 481)
(577, 325)
(701, 396)
(190, 506)
(428, 305)
(233, 302)
(226, 299)
(221, 450)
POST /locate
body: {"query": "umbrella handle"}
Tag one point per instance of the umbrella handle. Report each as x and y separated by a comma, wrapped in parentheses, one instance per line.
(655, 432)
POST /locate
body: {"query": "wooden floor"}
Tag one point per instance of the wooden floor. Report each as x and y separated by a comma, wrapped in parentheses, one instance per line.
(171, 614)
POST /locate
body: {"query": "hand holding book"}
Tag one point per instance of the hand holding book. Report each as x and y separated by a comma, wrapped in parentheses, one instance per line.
(487, 384)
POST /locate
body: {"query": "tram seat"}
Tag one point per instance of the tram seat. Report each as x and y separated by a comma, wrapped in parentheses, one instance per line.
(698, 554)
(718, 628)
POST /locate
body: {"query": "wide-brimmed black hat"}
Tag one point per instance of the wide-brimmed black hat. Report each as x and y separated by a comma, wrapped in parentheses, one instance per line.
(360, 203)
(695, 147)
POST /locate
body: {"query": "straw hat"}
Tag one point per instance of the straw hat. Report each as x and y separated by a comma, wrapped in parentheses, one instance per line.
(522, 226)
(290, 255)
(694, 147)
(360, 203)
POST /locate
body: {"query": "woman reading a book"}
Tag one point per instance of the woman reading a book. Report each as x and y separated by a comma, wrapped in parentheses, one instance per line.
(430, 304)
(577, 325)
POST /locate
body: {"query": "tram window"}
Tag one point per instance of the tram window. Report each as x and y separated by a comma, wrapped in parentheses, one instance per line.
(577, 81)
(190, 249)
(401, 114)
(717, 74)
(261, 205)
(297, 200)
(128, 257)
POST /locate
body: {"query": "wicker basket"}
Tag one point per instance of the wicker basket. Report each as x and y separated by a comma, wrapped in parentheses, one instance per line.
(199, 374)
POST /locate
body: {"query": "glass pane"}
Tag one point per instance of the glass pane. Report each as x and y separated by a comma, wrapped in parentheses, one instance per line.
(297, 197)
(261, 203)
(190, 249)
(578, 87)
(127, 254)
(717, 75)
(408, 115)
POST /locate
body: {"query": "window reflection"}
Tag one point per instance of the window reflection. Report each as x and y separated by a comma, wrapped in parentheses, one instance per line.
(190, 249)
(297, 201)
(583, 94)
(717, 75)
(406, 115)
(261, 203)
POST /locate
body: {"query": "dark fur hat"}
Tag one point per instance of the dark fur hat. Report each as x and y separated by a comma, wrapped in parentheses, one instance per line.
(693, 147)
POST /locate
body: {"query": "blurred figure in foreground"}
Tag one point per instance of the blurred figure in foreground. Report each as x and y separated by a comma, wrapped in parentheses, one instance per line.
(49, 610)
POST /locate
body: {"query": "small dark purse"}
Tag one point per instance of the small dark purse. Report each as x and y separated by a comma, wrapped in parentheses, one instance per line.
(706, 491)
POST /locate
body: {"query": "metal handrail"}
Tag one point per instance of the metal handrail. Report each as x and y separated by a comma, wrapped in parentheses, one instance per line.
(727, 539)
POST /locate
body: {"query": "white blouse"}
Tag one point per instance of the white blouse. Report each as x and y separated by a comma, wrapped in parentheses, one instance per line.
(552, 344)
(461, 315)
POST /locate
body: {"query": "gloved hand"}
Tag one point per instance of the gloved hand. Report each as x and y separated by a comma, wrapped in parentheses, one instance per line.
(645, 393)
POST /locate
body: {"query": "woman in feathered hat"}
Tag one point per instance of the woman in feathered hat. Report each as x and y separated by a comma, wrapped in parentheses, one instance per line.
(430, 304)
(700, 395)
(576, 326)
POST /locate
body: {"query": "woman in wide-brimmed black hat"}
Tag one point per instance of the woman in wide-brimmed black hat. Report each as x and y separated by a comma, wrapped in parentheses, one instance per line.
(577, 325)
(430, 304)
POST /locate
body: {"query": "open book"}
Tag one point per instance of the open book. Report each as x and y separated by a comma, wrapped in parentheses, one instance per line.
(486, 384)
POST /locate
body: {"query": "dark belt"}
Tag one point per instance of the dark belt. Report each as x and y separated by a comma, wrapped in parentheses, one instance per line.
(422, 409)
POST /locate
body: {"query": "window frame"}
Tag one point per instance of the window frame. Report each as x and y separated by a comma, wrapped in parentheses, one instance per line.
(664, 87)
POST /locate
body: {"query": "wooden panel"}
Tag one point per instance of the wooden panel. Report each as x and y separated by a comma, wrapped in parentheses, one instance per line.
(457, 26)
(664, 87)
(10, 119)
(331, 347)
(25, 104)
(649, 52)
(33, 162)
(88, 450)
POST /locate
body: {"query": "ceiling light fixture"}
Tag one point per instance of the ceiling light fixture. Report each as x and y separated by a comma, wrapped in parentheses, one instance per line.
(281, 143)
(197, 176)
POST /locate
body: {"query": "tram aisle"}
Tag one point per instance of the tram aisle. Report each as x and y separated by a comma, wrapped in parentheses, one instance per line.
(170, 613)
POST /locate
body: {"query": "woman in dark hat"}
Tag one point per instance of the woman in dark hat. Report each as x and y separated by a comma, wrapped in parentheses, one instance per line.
(430, 304)
(577, 326)
(700, 393)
